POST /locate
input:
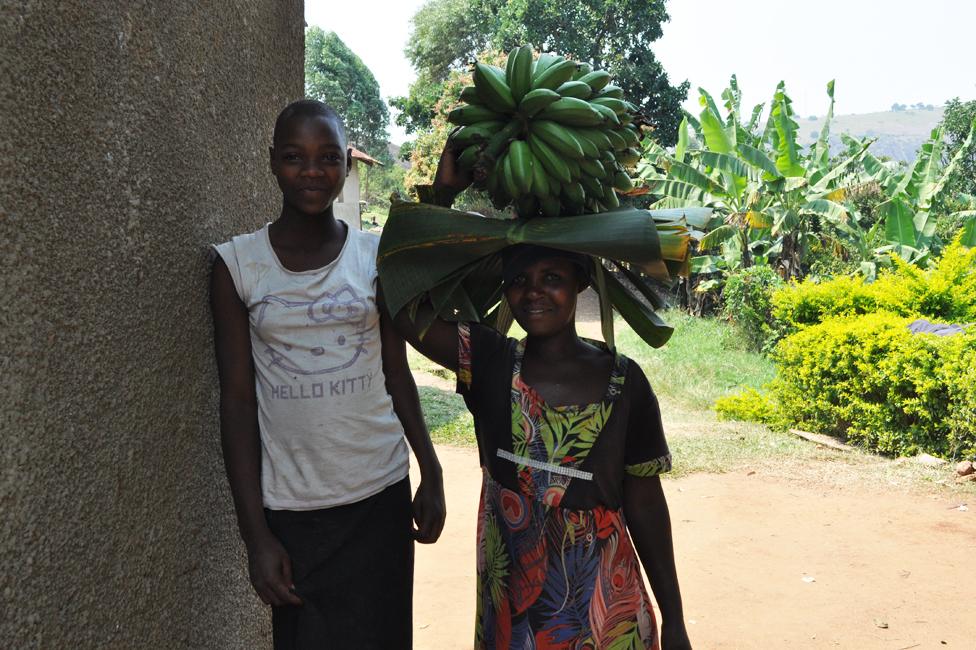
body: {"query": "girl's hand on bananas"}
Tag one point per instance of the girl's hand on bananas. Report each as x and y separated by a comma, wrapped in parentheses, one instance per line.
(450, 180)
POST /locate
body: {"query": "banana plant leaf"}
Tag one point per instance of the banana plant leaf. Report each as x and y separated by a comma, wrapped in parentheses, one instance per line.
(453, 259)
(969, 231)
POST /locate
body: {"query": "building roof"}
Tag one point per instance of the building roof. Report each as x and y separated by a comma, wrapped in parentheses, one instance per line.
(365, 157)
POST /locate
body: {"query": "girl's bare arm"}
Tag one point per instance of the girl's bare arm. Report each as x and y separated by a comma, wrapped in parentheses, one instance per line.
(268, 562)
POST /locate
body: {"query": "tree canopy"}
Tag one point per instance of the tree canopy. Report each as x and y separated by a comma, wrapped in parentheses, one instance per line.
(956, 120)
(336, 76)
(615, 35)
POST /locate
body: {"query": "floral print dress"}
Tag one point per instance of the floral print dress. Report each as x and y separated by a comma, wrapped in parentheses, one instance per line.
(556, 566)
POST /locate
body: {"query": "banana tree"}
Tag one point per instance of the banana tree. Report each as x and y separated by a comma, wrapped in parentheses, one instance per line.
(772, 203)
(907, 213)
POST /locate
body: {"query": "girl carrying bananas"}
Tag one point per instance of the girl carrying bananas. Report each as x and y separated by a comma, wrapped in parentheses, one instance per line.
(571, 447)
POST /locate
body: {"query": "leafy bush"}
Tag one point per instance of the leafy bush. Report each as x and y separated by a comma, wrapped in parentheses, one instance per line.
(748, 406)
(748, 304)
(869, 379)
(946, 292)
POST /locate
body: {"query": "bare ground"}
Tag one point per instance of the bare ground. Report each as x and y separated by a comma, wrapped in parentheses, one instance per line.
(764, 562)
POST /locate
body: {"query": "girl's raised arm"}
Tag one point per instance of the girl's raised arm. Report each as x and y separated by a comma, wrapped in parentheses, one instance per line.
(439, 343)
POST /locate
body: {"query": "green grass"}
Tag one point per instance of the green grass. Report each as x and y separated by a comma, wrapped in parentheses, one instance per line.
(447, 418)
(703, 361)
(369, 215)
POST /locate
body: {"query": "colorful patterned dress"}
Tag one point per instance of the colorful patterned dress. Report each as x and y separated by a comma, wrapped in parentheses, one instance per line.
(556, 566)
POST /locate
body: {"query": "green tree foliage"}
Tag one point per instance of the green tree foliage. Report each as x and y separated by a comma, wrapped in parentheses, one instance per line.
(614, 35)
(380, 182)
(336, 76)
(747, 302)
(956, 121)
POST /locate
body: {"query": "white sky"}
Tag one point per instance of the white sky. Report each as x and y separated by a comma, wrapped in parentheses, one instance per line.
(879, 51)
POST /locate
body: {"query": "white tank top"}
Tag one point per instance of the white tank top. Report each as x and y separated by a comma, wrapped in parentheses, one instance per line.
(329, 435)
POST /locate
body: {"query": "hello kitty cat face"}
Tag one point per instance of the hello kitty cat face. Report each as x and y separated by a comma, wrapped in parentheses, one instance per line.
(337, 327)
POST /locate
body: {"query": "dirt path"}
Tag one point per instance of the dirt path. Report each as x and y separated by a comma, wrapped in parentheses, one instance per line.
(889, 571)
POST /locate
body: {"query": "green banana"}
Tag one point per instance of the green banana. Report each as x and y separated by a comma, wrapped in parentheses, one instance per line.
(468, 135)
(611, 91)
(597, 137)
(544, 61)
(589, 149)
(573, 111)
(596, 80)
(520, 77)
(630, 137)
(540, 179)
(574, 169)
(510, 64)
(508, 177)
(576, 89)
(616, 141)
(628, 157)
(622, 182)
(608, 115)
(465, 115)
(490, 82)
(555, 75)
(469, 95)
(554, 163)
(618, 106)
(611, 200)
(582, 69)
(558, 137)
(574, 193)
(592, 186)
(536, 100)
(468, 157)
(520, 159)
(593, 168)
(498, 142)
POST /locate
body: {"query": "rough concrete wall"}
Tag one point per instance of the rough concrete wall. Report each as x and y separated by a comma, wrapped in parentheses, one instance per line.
(132, 135)
(346, 206)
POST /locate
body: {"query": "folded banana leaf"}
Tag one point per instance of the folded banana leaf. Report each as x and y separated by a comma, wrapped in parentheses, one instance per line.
(453, 259)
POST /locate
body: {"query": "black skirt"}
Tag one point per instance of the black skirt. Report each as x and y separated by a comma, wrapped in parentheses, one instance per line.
(352, 566)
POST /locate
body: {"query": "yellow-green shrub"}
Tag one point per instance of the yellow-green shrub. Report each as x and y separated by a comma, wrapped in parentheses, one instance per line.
(747, 406)
(870, 379)
(946, 292)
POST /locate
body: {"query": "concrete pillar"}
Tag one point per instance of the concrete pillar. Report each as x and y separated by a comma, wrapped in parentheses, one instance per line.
(132, 135)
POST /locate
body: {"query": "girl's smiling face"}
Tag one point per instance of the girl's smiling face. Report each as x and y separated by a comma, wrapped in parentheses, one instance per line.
(543, 296)
(311, 162)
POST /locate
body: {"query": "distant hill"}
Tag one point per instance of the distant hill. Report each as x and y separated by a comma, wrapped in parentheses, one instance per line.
(899, 133)
(394, 151)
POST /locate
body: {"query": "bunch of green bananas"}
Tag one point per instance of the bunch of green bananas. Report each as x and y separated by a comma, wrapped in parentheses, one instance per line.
(548, 134)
